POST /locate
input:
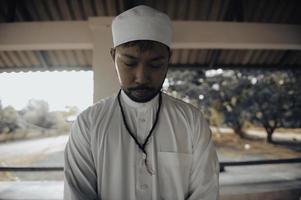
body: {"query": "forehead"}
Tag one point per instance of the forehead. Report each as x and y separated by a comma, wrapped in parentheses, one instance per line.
(138, 48)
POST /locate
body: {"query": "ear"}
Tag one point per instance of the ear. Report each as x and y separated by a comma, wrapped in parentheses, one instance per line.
(112, 52)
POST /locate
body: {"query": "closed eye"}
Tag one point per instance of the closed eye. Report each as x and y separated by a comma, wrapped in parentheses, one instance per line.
(156, 65)
(131, 64)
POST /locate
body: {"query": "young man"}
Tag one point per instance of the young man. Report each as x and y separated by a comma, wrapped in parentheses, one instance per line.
(141, 143)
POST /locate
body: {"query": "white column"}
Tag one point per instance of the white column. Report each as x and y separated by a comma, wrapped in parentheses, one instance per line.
(105, 78)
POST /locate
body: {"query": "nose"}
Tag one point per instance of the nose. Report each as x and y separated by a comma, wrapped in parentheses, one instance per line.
(142, 75)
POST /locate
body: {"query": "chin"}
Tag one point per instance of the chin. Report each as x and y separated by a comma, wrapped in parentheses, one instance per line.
(141, 100)
(141, 97)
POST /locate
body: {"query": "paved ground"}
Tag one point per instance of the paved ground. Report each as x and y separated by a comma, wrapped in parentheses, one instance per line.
(15, 150)
(231, 189)
(281, 180)
(36, 152)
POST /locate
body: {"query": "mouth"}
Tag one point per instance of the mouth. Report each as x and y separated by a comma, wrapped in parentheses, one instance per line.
(142, 92)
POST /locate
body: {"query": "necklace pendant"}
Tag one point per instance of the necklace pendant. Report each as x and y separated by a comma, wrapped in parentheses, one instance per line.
(148, 167)
(144, 156)
(150, 170)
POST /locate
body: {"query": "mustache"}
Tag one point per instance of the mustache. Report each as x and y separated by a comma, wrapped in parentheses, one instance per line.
(141, 87)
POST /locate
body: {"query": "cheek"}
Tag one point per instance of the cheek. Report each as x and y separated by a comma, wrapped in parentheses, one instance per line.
(123, 75)
(158, 78)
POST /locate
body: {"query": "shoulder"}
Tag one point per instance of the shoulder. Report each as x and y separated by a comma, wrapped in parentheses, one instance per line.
(89, 118)
(180, 106)
(97, 110)
(191, 116)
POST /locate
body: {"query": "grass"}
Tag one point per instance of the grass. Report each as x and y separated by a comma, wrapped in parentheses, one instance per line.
(235, 147)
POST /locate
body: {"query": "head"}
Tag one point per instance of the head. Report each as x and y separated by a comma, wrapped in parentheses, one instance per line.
(142, 39)
(141, 68)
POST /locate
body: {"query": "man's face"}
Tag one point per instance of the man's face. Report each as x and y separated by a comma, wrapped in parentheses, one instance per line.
(141, 73)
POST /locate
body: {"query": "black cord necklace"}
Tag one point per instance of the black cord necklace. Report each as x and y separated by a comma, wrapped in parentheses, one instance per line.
(141, 146)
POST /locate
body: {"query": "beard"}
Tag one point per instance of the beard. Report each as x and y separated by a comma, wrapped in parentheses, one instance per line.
(141, 94)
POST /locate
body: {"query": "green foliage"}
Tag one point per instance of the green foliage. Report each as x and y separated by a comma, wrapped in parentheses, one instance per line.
(37, 113)
(276, 102)
(35, 120)
(233, 98)
(8, 119)
(268, 99)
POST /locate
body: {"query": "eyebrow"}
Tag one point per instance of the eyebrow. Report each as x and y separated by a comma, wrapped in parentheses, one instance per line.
(129, 56)
(134, 57)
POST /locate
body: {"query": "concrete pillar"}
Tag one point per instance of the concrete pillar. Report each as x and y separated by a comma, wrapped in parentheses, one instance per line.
(105, 78)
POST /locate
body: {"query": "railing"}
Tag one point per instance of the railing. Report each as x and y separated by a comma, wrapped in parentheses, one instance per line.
(223, 165)
(29, 168)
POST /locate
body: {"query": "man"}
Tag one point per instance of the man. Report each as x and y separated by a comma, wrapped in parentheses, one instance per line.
(141, 143)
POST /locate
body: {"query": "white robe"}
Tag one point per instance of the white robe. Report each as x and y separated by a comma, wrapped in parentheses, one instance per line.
(102, 161)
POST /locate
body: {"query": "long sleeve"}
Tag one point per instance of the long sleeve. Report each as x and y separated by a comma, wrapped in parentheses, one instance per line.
(204, 181)
(80, 179)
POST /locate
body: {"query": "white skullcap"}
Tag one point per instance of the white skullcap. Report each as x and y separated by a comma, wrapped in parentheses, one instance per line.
(142, 23)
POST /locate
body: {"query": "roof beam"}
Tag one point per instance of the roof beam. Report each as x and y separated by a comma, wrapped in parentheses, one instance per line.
(187, 35)
(45, 36)
(233, 35)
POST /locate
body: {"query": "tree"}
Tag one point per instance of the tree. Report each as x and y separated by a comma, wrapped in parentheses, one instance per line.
(270, 100)
(37, 113)
(232, 91)
(295, 93)
(276, 102)
(8, 119)
(223, 93)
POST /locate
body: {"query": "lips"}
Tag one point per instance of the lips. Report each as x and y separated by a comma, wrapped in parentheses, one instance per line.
(142, 92)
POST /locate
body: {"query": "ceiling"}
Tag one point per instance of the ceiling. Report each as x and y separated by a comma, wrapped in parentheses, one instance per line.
(267, 11)
(259, 11)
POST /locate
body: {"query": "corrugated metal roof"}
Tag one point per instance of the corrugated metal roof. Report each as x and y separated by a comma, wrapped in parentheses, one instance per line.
(45, 60)
(82, 59)
(265, 11)
(236, 58)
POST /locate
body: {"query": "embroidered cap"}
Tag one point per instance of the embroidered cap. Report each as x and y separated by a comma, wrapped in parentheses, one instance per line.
(142, 23)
